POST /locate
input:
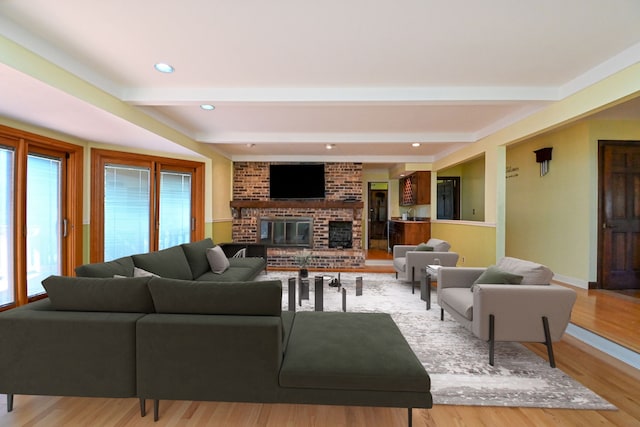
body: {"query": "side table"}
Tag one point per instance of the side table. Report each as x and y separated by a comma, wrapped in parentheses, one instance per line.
(425, 283)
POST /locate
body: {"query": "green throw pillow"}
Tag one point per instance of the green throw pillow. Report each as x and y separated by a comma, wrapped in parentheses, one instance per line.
(494, 276)
(424, 247)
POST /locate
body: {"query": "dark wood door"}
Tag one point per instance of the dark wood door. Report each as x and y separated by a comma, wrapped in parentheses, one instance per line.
(448, 198)
(620, 215)
(377, 218)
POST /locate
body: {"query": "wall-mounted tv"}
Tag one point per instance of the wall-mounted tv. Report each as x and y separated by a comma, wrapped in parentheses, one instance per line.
(296, 181)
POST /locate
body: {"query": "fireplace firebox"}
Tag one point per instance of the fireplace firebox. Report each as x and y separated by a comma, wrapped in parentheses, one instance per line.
(286, 231)
(341, 234)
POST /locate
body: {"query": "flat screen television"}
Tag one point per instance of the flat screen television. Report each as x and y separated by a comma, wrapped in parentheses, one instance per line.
(296, 181)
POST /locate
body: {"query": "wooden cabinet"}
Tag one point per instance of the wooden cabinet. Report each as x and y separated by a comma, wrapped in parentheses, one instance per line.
(415, 189)
(409, 232)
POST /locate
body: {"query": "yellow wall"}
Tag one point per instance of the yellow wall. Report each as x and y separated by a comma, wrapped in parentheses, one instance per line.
(472, 188)
(547, 218)
(554, 219)
(474, 243)
(613, 90)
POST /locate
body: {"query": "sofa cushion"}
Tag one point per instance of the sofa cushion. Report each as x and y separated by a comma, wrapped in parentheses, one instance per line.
(226, 298)
(439, 245)
(120, 267)
(350, 351)
(531, 272)
(196, 253)
(170, 262)
(126, 295)
(459, 299)
(218, 261)
(496, 276)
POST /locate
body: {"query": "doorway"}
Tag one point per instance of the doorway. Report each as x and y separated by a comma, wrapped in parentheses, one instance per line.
(448, 197)
(378, 215)
(619, 215)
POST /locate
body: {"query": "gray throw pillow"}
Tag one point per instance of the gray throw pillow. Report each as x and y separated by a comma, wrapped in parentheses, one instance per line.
(217, 260)
(125, 295)
(139, 272)
(495, 276)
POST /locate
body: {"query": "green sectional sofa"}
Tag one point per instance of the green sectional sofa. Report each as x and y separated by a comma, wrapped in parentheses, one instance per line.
(187, 262)
(163, 338)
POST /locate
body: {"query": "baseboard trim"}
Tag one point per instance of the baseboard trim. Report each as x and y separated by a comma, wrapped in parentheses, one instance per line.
(614, 350)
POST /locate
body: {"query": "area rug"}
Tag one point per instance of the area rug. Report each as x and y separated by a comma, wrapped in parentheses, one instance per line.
(457, 361)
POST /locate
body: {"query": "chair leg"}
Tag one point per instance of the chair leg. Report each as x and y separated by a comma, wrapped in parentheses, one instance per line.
(143, 407)
(9, 402)
(492, 340)
(413, 280)
(156, 409)
(442, 314)
(547, 341)
(396, 275)
(410, 417)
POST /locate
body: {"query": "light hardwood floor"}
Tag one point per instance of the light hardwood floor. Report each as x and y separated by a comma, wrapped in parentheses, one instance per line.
(608, 314)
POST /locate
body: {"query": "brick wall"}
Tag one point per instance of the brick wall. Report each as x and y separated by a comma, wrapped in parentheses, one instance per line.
(343, 181)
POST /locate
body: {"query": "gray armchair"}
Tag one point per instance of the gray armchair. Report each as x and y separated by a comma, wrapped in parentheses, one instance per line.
(409, 262)
(532, 311)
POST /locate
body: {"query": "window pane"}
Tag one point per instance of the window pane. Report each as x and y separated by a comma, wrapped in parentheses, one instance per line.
(44, 221)
(6, 226)
(175, 209)
(126, 211)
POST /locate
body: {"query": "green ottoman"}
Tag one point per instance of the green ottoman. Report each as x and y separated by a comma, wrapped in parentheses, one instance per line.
(356, 358)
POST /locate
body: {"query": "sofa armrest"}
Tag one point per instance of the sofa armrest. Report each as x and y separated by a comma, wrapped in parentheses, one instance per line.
(417, 260)
(518, 311)
(67, 353)
(458, 277)
(400, 251)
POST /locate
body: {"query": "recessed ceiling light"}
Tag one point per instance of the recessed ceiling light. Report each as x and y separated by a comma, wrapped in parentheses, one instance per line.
(164, 68)
(207, 107)
(415, 144)
(251, 145)
(330, 146)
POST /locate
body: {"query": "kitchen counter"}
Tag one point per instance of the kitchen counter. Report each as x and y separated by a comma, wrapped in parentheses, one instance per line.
(418, 219)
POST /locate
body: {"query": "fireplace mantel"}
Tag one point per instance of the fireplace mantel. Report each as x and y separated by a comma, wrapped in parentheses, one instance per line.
(303, 204)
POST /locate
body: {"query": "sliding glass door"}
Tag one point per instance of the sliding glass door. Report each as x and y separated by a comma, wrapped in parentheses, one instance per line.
(175, 222)
(40, 213)
(7, 293)
(44, 220)
(127, 195)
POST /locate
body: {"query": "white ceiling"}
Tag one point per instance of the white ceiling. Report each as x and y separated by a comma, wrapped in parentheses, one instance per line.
(289, 76)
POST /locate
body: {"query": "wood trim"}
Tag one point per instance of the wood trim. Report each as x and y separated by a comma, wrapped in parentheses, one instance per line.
(156, 164)
(25, 142)
(316, 204)
(20, 225)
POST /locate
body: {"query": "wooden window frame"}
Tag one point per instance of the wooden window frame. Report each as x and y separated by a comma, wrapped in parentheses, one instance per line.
(100, 158)
(25, 143)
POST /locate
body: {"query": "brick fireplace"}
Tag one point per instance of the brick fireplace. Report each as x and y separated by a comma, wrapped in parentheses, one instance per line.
(342, 205)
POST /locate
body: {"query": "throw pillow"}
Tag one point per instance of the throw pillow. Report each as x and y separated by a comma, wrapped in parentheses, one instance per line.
(424, 247)
(139, 272)
(495, 276)
(126, 295)
(217, 260)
